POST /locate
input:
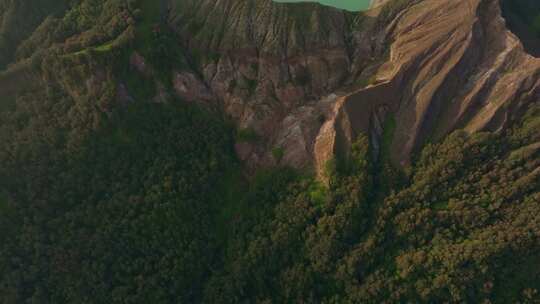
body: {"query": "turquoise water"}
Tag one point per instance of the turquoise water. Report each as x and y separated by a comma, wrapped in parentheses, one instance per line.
(351, 5)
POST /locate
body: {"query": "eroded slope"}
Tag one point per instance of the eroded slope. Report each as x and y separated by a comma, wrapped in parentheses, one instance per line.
(452, 64)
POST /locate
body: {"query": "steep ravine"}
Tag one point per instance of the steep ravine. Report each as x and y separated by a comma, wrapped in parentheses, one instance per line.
(309, 79)
(277, 68)
(459, 68)
(302, 81)
(120, 121)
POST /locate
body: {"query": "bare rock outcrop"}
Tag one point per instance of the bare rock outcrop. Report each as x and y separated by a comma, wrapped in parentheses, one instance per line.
(452, 64)
(377, 3)
(431, 66)
(272, 66)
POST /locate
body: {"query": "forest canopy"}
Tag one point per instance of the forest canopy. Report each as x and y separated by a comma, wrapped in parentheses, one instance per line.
(109, 197)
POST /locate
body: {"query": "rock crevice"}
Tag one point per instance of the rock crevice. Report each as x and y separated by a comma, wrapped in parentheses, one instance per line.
(434, 66)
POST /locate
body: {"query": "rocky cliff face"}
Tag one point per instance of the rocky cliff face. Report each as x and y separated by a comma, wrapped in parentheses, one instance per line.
(377, 3)
(269, 64)
(277, 68)
(452, 64)
(304, 80)
(309, 79)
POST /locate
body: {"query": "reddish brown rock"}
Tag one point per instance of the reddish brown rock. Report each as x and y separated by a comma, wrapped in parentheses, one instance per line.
(433, 66)
(453, 64)
(189, 88)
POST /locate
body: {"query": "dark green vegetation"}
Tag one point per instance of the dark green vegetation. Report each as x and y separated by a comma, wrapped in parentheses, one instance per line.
(462, 229)
(523, 18)
(105, 202)
(524, 11)
(125, 215)
(14, 30)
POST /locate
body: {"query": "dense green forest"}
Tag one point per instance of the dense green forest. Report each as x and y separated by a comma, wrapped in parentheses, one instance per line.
(145, 202)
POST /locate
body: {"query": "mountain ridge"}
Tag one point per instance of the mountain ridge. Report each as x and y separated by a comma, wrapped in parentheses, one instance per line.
(235, 151)
(282, 71)
(507, 55)
(357, 51)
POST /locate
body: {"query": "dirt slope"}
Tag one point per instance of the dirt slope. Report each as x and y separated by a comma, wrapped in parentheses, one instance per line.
(452, 64)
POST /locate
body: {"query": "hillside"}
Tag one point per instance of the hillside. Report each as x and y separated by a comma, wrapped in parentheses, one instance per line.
(231, 151)
(283, 78)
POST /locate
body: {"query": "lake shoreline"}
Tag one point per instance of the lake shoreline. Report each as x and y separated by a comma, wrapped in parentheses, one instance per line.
(349, 5)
